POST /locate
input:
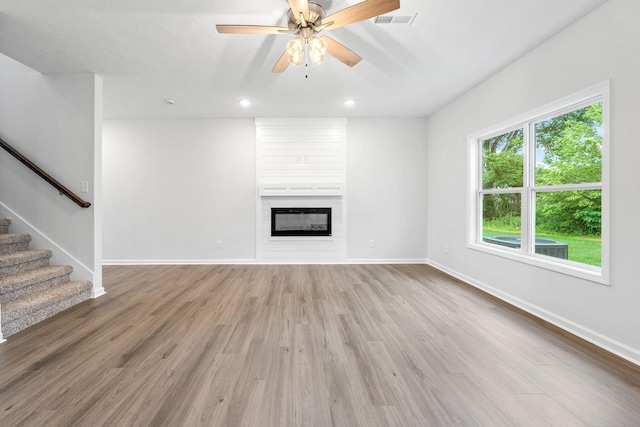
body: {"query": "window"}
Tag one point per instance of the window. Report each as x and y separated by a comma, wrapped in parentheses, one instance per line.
(536, 187)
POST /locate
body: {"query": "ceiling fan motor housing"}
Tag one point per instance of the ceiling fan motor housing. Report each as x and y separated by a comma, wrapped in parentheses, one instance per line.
(316, 14)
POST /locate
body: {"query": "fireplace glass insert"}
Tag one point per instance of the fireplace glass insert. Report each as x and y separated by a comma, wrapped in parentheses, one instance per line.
(301, 221)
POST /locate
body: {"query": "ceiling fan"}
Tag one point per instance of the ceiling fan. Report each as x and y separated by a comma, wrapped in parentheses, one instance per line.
(305, 20)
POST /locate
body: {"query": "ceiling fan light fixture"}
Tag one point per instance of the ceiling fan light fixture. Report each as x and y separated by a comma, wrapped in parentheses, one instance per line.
(295, 47)
(295, 50)
(296, 60)
(318, 46)
(318, 49)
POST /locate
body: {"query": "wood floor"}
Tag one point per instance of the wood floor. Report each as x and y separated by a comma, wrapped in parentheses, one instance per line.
(320, 345)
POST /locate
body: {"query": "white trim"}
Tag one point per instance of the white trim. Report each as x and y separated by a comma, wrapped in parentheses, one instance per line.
(299, 239)
(345, 262)
(176, 261)
(619, 349)
(97, 289)
(258, 200)
(596, 93)
(387, 261)
(256, 262)
(544, 188)
(605, 231)
(301, 189)
(97, 292)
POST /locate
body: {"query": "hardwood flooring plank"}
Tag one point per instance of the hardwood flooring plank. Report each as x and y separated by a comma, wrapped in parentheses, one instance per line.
(551, 411)
(466, 404)
(568, 388)
(360, 361)
(177, 402)
(347, 400)
(310, 397)
(211, 403)
(278, 400)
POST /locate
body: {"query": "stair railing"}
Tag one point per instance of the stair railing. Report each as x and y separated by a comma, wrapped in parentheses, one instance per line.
(42, 174)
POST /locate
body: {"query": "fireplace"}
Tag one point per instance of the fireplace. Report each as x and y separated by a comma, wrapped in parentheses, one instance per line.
(301, 221)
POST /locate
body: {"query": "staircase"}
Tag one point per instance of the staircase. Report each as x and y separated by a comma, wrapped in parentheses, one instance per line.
(31, 289)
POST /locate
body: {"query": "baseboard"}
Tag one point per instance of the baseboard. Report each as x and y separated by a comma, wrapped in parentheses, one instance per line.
(612, 346)
(255, 261)
(177, 261)
(95, 293)
(386, 261)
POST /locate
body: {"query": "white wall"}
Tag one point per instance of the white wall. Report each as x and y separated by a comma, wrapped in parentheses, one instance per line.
(387, 190)
(172, 188)
(603, 45)
(51, 118)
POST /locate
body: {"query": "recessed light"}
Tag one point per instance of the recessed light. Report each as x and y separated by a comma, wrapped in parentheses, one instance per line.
(349, 102)
(245, 102)
(170, 102)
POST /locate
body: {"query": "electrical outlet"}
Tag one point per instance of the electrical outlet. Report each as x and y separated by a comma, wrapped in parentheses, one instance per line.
(219, 244)
(372, 243)
(445, 248)
(84, 186)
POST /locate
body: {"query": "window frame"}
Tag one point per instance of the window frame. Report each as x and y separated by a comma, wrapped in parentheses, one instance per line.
(526, 122)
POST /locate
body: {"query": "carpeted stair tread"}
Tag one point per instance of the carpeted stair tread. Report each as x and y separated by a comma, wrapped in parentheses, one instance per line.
(14, 286)
(16, 262)
(23, 256)
(33, 308)
(14, 237)
(14, 242)
(8, 238)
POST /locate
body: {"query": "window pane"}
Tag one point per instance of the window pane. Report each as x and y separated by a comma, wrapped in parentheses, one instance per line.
(502, 160)
(501, 219)
(569, 222)
(569, 147)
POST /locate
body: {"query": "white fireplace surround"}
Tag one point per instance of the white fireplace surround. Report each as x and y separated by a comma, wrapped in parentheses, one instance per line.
(301, 163)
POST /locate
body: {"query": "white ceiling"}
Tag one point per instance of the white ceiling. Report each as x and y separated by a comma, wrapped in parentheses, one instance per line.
(151, 50)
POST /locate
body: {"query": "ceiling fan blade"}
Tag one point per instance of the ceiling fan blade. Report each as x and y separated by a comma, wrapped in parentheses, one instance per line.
(341, 52)
(282, 63)
(251, 29)
(361, 11)
(298, 7)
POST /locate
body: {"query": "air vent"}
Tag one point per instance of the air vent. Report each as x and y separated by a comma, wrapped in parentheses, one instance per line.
(394, 19)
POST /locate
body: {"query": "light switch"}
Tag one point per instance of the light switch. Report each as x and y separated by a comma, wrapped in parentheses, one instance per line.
(84, 186)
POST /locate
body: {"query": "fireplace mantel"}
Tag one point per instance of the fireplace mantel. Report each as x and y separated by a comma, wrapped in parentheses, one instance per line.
(301, 189)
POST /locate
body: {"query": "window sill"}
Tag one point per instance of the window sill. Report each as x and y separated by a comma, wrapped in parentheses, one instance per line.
(581, 271)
